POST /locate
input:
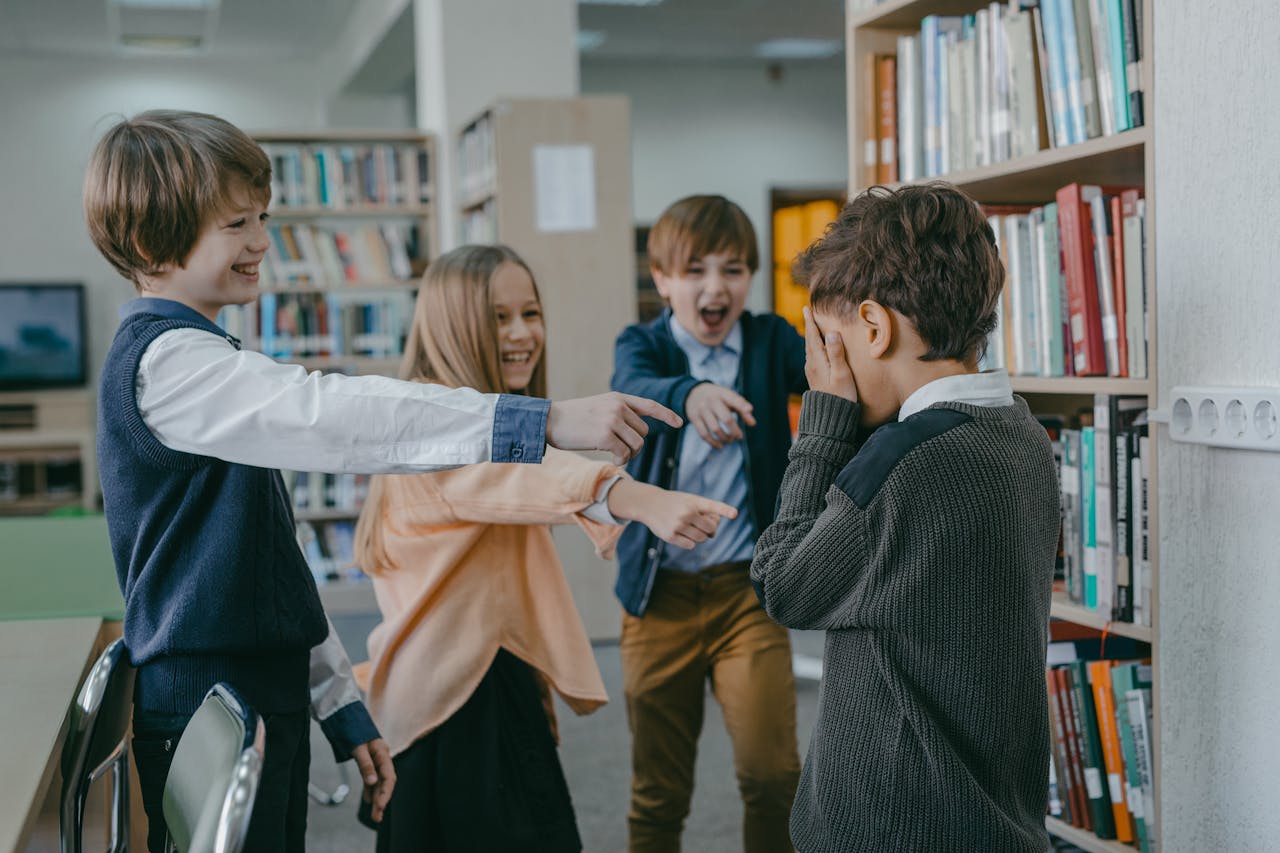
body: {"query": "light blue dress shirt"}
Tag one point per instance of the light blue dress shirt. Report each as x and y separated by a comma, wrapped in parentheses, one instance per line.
(703, 470)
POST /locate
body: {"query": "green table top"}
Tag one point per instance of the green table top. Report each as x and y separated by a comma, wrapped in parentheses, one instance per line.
(54, 568)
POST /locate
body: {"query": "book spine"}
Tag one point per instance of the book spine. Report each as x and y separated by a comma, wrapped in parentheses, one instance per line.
(1119, 64)
(1085, 317)
(1099, 218)
(1116, 223)
(1100, 42)
(870, 120)
(910, 110)
(1113, 762)
(1088, 75)
(1088, 517)
(1139, 718)
(887, 115)
(1129, 22)
(1075, 762)
(1072, 535)
(929, 55)
(1094, 769)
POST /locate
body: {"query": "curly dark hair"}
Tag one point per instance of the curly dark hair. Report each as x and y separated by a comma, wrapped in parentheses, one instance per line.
(925, 251)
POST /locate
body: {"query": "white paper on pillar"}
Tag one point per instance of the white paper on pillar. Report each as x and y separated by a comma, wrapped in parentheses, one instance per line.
(564, 187)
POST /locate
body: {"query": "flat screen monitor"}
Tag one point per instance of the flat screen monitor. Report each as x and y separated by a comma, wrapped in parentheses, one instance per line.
(42, 336)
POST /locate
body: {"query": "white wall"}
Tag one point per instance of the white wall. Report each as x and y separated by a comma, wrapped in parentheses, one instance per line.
(728, 129)
(54, 111)
(1217, 204)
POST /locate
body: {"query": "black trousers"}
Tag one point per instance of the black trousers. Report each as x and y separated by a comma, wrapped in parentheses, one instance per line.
(279, 821)
(486, 781)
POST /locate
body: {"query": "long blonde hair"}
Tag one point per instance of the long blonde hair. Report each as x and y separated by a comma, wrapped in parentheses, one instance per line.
(453, 341)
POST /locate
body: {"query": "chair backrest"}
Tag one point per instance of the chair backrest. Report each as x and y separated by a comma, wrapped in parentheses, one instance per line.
(213, 780)
(95, 737)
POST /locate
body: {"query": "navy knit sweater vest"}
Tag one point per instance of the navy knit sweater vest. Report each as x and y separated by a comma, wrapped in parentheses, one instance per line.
(215, 586)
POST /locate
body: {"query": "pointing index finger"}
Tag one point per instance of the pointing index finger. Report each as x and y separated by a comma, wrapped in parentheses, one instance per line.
(649, 408)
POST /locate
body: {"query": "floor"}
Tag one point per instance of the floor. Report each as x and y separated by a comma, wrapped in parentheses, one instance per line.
(595, 753)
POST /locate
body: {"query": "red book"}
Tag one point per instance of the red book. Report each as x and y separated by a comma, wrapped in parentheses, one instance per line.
(1117, 279)
(1075, 754)
(887, 118)
(1075, 233)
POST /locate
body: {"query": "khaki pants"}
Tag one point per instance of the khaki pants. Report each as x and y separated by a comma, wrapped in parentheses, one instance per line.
(700, 627)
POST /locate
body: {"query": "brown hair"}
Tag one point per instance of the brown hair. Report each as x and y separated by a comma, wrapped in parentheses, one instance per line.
(925, 251)
(453, 341)
(697, 226)
(154, 180)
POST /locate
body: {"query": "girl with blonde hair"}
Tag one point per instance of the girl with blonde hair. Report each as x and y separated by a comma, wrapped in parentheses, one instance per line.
(479, 625)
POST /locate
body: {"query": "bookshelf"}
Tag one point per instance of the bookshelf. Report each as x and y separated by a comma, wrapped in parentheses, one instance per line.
(47, 452)
(1125, 157)
(551, 178)
(353, 226)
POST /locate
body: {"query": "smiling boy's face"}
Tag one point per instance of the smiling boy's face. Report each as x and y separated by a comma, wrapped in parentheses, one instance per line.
(222, 267)
(707, 295)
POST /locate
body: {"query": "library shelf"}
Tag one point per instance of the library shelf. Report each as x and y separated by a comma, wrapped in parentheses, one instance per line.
(363, 210)
(1067, 610)
(1083, 838)
(326, 514)
(339, 287)
(1116, 160)
(1080, 385)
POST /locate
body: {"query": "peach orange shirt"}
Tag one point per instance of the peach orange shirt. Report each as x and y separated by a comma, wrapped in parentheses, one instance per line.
(473, 570)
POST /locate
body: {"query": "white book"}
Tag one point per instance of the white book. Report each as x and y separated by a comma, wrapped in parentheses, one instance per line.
(982, 85)
(1140, 720)
(1024, 103)
(1029, 319)
(1135, 290)
(1000, 122)
(1102, 267)
(1099, 30)
(910, 110)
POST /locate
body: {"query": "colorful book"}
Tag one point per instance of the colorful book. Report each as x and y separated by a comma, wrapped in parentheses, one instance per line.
(1109, 736)
(1093, 763)
(1125, 677)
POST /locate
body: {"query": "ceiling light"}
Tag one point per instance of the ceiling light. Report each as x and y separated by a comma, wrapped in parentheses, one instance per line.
(798, 48)
(166, 4)
(161, 42)
(619, 2)
(590, 39)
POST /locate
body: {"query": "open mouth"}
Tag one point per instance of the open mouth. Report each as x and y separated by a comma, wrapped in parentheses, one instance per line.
(517, 357)
(713, 317)
(246, 270)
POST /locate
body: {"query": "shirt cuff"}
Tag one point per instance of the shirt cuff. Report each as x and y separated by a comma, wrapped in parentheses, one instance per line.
(519, 429)
(348, 727)
(599, 510)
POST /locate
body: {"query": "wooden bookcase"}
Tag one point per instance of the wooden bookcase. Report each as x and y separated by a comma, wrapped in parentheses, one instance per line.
(551, 178)
(376, 199)
(1124, 158)
(48, 448)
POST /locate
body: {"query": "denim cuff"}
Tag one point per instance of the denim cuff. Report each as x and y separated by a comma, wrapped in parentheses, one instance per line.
(520, 429)
(348, 727)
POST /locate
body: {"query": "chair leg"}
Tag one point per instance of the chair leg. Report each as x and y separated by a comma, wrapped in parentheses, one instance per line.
(120, 800)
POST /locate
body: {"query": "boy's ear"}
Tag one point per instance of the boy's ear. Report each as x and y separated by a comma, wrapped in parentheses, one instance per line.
(876, 323)
(660, 281)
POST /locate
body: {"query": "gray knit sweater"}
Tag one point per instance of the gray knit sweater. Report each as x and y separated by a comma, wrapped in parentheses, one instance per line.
(927, 556)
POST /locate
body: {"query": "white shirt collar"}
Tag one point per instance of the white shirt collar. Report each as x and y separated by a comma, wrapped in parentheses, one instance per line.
(989, 388)
(696, 349)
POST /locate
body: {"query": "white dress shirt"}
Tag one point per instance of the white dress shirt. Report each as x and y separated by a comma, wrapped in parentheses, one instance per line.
(989, 388)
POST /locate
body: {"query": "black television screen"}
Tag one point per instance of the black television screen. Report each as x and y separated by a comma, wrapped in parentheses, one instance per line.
(42, 336)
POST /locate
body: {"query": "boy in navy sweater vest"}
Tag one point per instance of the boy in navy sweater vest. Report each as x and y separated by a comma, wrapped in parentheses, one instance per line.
(691, 616)
(190, 431)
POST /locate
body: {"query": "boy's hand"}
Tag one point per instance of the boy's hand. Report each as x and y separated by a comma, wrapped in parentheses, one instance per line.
(714, 411)
(378, 774)
(680, 518)
(612, 422)
(825, 364)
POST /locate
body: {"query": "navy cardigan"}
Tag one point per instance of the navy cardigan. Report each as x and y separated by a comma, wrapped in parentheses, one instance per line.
(649, 363)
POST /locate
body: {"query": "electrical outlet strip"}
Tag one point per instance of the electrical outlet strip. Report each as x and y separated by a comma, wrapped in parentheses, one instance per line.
(1236, 418)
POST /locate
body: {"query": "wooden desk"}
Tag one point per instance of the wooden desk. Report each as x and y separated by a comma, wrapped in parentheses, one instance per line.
(42, 663)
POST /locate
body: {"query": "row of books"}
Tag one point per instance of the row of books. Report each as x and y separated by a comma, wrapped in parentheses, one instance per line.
(317, 491)
(1003, 83)
(1101, 759)
(1104, 460)
(1075, 296)
(311, 254)
(346, 323)
(477, 161)
(329, 547)
(349, 176)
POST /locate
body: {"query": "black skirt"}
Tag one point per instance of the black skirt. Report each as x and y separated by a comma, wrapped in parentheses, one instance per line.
(488, 779)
